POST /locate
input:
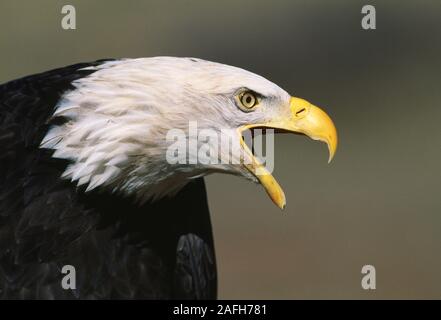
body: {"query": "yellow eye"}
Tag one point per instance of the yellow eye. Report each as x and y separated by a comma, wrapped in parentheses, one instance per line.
(248, 100)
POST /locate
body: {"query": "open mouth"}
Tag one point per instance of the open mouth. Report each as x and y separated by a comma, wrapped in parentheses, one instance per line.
(255, 166)
(305, 119)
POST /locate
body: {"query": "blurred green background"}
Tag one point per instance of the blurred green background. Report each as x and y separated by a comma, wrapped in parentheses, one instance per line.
(378, 202)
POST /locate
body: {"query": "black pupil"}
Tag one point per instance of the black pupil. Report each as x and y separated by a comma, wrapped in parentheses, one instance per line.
(248, 99)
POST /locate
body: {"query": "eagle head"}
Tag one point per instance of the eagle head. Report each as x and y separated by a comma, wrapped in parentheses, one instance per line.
(129, 126)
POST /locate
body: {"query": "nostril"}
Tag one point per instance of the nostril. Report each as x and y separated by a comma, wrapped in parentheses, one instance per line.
(300, 111)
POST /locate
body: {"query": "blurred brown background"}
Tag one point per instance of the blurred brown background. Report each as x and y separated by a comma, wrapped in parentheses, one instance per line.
(377, 203)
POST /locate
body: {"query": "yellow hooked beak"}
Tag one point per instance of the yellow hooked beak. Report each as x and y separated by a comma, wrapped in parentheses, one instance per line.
(304, 118)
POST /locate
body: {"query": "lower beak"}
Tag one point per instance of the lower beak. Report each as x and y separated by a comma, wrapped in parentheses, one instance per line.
(303, 118)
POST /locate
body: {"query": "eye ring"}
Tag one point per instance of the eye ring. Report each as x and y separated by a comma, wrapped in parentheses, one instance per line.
(247, 100)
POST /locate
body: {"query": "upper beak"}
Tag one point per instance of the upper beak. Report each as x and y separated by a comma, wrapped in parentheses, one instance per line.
(303, 118)
(313, 122)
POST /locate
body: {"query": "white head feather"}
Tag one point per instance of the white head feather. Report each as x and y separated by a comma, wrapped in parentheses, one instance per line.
(118, 118)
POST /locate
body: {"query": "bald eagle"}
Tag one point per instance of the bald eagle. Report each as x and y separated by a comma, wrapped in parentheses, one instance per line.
(84, 180)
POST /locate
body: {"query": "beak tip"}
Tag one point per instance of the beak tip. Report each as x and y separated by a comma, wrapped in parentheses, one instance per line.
(331, 156)
(332, 147)
(281, 204)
